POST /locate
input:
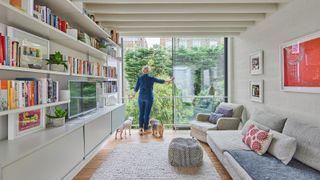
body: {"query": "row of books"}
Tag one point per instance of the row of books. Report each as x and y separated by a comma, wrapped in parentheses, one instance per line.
(24, 92)
(110, 87)
(9, 51)
(83, 67)
(110, 72)
(45, 14)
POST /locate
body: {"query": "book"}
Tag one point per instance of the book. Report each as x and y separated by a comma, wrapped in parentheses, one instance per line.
(3, 95)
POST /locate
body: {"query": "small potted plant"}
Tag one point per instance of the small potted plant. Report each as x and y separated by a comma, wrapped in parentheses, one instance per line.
(59, 117)
(57, 63)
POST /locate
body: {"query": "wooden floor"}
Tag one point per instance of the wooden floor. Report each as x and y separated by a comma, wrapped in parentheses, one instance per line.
(92, 166)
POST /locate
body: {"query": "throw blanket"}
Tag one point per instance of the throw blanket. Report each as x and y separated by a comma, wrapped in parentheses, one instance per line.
(268, 167)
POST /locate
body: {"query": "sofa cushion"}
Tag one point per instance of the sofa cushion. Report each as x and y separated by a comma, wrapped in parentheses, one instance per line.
(268, 167)
(270, 120)
(257, 140)
(214, 117)
(249, 123)
(282, 147)
(227, 140)
(237, 108)
(308, 142)
(203, 126)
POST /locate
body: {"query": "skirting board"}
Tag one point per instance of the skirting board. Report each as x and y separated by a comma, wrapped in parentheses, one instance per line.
(87, 159)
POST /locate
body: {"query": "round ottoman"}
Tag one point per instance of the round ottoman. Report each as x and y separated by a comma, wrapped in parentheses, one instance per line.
(185, 152)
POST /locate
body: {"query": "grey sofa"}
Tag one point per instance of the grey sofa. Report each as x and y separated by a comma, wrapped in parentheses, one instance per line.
(200, 126)
(241, 163)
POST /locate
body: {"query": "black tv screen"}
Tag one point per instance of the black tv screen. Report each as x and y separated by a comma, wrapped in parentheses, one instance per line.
(82, 97)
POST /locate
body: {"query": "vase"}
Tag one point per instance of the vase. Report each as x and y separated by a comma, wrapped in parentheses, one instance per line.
(57, 122)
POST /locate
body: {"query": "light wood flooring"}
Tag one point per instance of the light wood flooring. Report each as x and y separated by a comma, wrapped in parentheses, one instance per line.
(93, 165)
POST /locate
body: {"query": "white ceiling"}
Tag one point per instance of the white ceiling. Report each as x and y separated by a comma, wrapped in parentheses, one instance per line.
(181, 17)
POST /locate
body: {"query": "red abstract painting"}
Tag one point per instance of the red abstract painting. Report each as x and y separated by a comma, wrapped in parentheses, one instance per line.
(301, 64)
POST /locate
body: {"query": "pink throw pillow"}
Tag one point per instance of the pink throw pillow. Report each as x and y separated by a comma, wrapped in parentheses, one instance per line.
(258, 140)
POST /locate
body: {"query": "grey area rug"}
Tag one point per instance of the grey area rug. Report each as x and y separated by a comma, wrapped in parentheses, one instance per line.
(149, 161)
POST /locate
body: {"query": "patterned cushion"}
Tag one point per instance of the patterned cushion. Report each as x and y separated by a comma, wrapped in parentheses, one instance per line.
(214, 117)
(226, 111)
(258, 140)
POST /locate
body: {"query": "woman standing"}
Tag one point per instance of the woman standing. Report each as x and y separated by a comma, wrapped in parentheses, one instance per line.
(145, 84)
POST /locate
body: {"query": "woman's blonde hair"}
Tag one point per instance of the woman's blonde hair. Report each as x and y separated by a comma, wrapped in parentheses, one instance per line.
(146, 67)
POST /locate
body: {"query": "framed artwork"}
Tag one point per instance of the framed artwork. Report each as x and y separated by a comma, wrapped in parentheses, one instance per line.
(21, 124)
(256, 63)
(300, 64)
(31, 48)
(256, 91)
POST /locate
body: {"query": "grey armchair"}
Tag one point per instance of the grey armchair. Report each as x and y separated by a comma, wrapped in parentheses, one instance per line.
(200, 126)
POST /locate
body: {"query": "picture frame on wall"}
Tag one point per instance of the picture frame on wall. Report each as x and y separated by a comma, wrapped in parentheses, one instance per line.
(300, 64)
(257, 91)
(256, 63)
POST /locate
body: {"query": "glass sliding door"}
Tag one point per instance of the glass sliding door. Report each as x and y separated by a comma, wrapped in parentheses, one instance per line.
(198, 68)
(198, 65)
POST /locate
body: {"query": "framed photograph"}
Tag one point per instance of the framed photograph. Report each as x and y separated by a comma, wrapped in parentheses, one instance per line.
(256, 91)
(300, 64)
(256, 63)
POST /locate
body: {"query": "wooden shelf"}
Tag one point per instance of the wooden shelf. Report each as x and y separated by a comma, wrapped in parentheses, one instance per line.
(13, 17)
(19, 110)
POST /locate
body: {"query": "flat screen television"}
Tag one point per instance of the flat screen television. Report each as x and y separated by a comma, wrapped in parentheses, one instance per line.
(83, 97)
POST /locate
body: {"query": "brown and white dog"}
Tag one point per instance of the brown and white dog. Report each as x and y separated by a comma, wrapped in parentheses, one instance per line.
(157, 127)
(124, 126)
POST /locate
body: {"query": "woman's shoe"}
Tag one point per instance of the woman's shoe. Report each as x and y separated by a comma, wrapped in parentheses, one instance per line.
(140, 131)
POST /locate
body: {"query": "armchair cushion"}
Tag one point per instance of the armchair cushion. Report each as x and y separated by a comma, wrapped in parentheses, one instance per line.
(225, 111)
(214, 117)
(228, 123)
(237, 108)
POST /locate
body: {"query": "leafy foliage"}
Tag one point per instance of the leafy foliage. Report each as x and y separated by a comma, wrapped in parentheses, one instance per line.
(58, 113)
(57, 58)
(160, 60)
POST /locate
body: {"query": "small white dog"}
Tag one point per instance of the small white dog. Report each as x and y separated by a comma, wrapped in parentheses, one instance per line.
(124, 126)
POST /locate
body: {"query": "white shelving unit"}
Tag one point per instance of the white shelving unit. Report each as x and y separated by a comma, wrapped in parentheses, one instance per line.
(19, 110)
(76, 17)
(13, 17)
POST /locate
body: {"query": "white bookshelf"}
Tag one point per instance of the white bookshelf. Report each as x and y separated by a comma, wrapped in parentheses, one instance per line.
(30, 70)
(76, 17)
(31, 108)
(13, 17)
(42, 71)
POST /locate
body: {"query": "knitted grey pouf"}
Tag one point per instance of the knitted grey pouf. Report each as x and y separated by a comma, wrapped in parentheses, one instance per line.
(185, 152)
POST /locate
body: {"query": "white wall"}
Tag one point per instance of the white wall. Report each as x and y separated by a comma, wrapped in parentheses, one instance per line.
(295, 19)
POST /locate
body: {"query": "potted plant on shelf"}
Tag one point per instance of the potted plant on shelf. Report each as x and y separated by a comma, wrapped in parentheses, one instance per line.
(57, 63)
(59, 117)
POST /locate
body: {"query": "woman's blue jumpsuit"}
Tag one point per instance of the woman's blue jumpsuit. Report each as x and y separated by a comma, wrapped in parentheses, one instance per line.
(145, 100)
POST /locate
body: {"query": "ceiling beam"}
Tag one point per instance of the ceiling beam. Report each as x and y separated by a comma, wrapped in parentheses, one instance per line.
(179, 1)
(182, 17)
(125, 24)
(180, 9)
(181, 29)
(180, 34)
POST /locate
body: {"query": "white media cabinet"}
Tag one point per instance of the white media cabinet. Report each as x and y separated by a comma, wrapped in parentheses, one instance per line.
(59, 153)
